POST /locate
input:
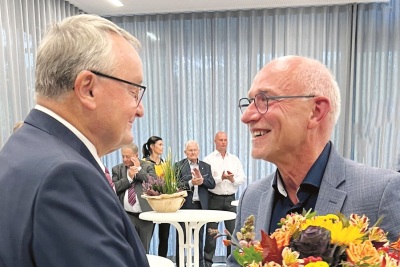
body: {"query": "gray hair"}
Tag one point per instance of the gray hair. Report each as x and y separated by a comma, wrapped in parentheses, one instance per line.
(314, 78)
(191, 142)
(80, 42)
(132, 147)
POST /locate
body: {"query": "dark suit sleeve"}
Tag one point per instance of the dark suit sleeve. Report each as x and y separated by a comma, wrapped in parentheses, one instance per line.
(146, 171)
(182, 170)
(120, 180)
(80, 223)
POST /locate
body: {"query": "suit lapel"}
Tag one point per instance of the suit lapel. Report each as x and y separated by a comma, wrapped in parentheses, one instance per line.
(330, 198)
(185, 168)
(265, 210)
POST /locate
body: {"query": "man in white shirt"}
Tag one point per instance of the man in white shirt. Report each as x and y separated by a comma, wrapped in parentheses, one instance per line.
(128, 178)
(228, 174)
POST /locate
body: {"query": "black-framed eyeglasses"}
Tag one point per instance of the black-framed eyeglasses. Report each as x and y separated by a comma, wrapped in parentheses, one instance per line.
(142, 89)
(261, 101)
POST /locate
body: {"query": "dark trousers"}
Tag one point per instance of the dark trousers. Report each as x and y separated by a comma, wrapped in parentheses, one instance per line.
(218, 202)
(192, 205)
(143, 228)
(163, 235)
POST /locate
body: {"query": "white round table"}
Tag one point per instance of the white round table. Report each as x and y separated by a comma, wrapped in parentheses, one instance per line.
(194, 220)
(157, 261)
(235, 203)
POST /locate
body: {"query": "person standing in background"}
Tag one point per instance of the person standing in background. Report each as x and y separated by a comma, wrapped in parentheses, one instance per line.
(128, 178)
(60, 209)
(227, 171)
(152, 151)
(195, 176)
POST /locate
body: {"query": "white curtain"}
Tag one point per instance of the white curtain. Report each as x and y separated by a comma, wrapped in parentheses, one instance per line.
(197, 66)
(22, 24)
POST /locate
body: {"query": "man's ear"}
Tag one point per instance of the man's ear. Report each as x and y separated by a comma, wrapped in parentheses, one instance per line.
(84, 87)
(321, 109)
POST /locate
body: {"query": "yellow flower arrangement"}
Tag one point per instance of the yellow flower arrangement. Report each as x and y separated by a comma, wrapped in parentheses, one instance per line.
(308, 240)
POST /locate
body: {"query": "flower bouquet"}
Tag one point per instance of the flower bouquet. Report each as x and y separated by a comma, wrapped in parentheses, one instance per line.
(315, 241)
(165, 194)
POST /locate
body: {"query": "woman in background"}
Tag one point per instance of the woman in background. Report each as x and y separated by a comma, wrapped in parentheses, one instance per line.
(152, 151)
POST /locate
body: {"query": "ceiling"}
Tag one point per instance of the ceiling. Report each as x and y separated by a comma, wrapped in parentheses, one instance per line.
(134, 7)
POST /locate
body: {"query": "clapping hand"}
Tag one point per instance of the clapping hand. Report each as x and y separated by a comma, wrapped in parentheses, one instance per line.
(228, 176)
(197, 177)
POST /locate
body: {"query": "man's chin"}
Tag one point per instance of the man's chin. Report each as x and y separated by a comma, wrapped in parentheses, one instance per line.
(128, 139)
(256, 154)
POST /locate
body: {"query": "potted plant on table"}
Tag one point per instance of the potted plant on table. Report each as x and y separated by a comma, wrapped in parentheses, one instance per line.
(165, 193)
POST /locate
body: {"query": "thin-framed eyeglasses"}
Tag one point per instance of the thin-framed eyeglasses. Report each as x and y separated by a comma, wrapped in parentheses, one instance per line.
(142, 89)
(261, 101)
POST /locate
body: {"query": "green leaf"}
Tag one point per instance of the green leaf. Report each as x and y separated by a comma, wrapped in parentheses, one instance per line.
(247, 256)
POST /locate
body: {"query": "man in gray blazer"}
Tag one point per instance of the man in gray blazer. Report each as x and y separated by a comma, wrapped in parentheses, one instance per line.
(130, 175)
(291, 110)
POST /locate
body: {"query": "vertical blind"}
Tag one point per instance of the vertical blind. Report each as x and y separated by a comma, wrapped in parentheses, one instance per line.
(197, 66)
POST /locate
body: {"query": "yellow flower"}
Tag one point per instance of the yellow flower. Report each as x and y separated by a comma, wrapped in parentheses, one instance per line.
(346, 236)
(254, 264)
(290, 258)
(317, 264)
(292, 222)
(339, 235)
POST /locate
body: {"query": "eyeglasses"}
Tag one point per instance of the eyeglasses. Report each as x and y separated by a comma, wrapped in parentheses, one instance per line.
(261, 101)
(138, 96)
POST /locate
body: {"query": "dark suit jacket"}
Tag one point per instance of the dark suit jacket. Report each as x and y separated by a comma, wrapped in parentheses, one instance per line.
(57, 207)
(185, 175)
(120, 179)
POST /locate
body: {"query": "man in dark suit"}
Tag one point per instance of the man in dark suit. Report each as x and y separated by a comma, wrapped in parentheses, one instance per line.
(196, 177)
(57, 203)
(128, 178)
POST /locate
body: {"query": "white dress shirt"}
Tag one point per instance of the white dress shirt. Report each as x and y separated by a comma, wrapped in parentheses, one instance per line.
(127, 206)
(220, 164)
(194, 165)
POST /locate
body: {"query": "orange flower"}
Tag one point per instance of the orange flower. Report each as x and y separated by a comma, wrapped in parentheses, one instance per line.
(227, 242)
(377, 234)
(356, 253)
(396, 245)
(282, 238)
(258, 247)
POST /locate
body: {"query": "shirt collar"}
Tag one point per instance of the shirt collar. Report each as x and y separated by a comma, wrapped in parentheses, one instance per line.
(92, 149)
(193, 163)
(314, 175)
(217, 153)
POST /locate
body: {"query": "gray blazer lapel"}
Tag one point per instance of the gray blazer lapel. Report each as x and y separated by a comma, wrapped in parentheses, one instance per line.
(265, 209)
(330, 198)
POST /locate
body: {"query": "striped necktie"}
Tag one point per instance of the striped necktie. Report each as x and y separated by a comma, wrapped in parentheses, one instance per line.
(132, 195)
(109, 179)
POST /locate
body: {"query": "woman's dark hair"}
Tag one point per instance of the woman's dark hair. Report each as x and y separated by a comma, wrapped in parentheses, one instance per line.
(146, 150)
